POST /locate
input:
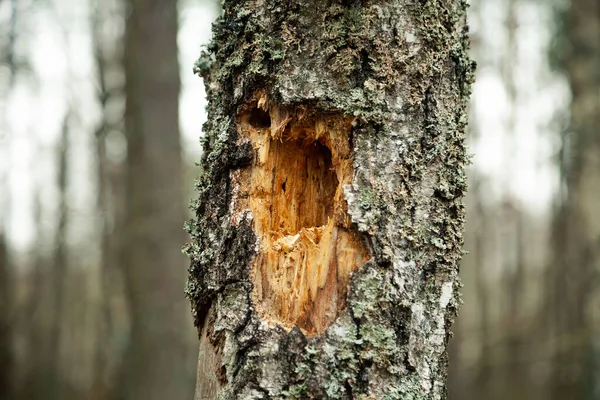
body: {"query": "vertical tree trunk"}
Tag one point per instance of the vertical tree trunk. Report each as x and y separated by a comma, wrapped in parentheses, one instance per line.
(110, 200)
(330, 217)
(155, 362)
(577, 225)
(6, 351)
(481, 246)
(6, 281)
(54, 385)
(38, 309)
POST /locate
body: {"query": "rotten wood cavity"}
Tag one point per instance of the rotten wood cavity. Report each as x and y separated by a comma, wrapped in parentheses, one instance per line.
(294, 189)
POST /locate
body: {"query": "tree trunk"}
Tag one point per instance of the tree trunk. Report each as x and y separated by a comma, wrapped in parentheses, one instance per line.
(110, 200)
(573, 295)
(155, 364)
(330, 217)
(6, 303)
(59, 275)
(7, 361)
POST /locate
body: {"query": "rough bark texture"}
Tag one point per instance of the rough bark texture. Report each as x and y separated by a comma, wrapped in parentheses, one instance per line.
(573, 315)
(155, 363)
(399, 69)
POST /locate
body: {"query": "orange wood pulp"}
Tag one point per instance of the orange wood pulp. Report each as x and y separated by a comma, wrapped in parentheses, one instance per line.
(294, 189)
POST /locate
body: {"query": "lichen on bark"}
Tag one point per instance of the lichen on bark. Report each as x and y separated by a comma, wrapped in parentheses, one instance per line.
(400, 68)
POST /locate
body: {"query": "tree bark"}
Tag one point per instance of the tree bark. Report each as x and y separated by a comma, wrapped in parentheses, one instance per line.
(155, 365)
(330, 217)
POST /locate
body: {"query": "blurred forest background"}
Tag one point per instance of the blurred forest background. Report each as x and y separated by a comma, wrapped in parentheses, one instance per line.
(100, 117)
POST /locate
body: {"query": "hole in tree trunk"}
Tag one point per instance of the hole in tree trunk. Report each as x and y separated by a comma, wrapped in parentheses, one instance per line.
(308, 202)
(259, 118)
(295, 192)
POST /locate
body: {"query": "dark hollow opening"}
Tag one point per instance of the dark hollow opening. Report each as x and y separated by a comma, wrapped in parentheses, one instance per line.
(259, 118)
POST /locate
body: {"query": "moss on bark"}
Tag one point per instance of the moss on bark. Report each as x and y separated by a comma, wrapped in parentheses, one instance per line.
(401, 68)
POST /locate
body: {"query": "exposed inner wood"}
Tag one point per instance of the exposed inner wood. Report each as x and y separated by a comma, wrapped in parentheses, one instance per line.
(209, 360)
(294, 189)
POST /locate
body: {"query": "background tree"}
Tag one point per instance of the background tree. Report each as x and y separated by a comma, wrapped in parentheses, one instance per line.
(6, 352)
(572, 297)
(155, 361)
